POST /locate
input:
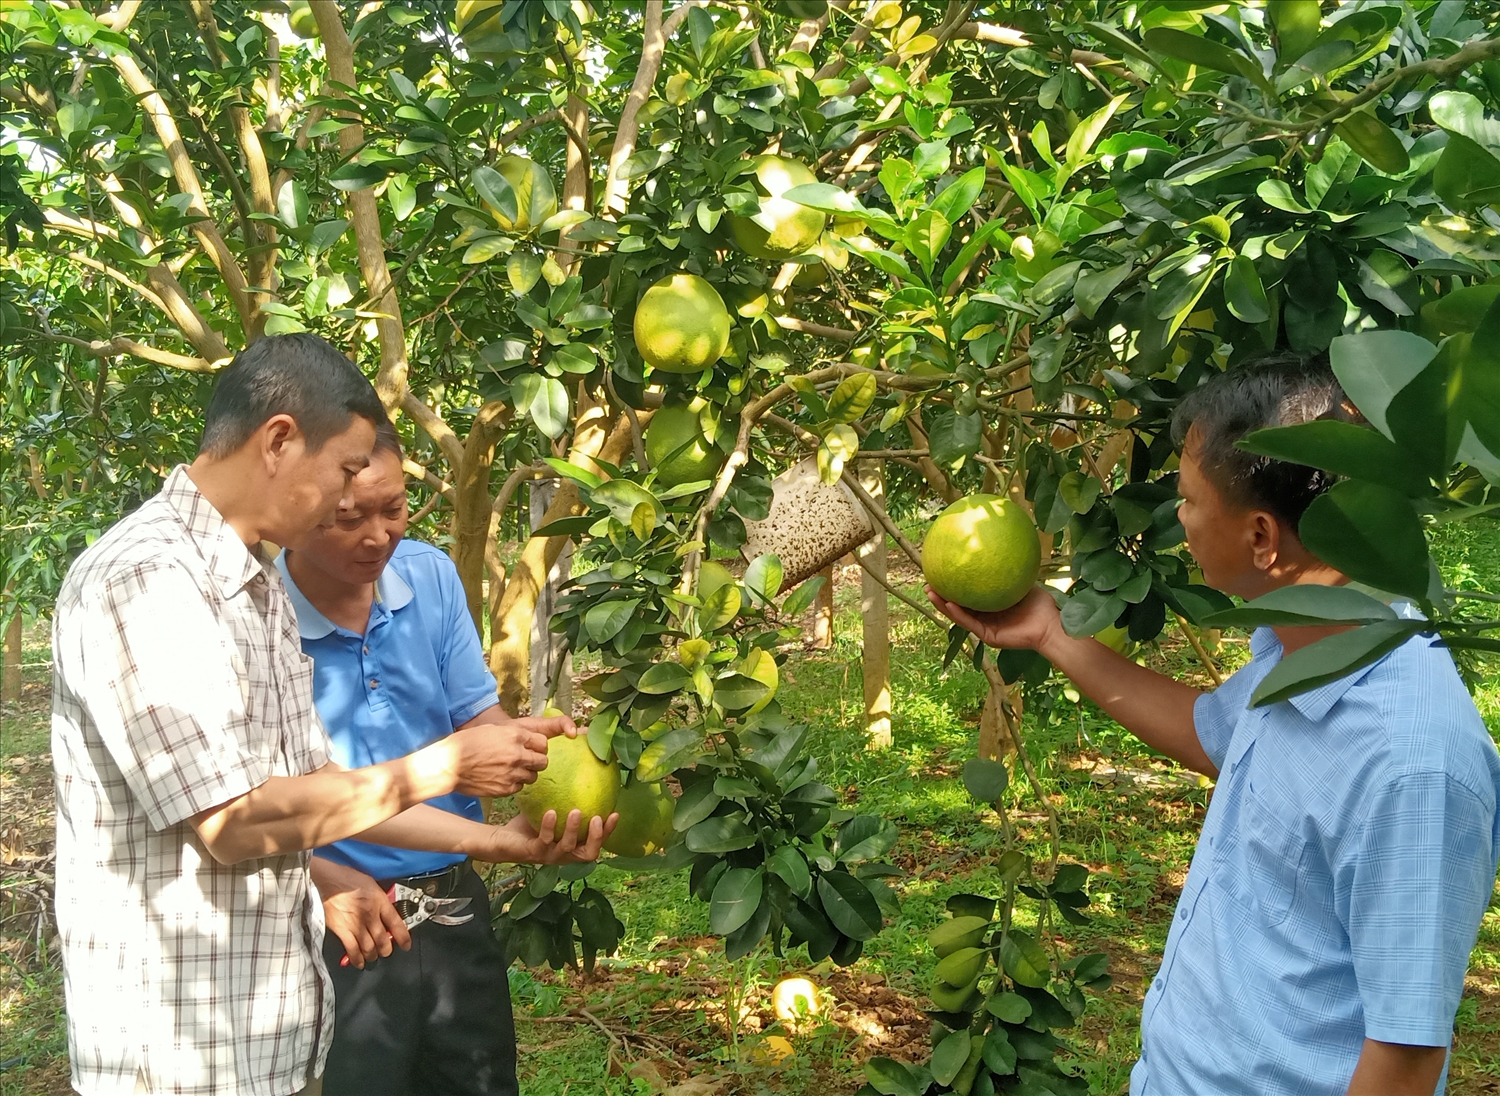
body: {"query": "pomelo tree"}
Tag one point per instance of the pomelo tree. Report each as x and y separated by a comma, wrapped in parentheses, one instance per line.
(959, 247)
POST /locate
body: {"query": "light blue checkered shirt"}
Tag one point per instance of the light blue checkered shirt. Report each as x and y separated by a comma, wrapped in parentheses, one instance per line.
(1346, 860)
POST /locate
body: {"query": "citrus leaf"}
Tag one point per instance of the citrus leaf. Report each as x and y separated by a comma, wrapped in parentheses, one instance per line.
(1330, 659)
(849, 905)
(1297, 605)
(791, 867)
(662, 678)
(1372, 366)
(950, 1056)
(1197, 50)
(736, 898)
(1243, 291)
(985, 779)
(852, 398)
(1371, 534)
(865, 837)
(720, 835)
(1345, 448)
(1024, 960)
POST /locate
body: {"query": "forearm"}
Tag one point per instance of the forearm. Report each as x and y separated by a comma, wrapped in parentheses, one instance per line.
(1151, 706)
(434, 830)
(1394, 1069)
(288, 814)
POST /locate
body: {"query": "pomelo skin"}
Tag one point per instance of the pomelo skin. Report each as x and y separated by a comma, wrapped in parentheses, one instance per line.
(671, 428)
(797, 227)
(645, 825)
(681, 324)
(982, 552)
(574, 779)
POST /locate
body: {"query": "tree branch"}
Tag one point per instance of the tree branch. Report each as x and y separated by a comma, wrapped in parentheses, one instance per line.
(391, 381)
(823, 331)
(119, 345)
(440, 432)
(878, 513)
(188, 182)
(437, 483)
(652, 43)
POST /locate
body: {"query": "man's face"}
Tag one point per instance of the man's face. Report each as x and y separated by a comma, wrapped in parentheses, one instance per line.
(1221, 535)
(367, 528)
(310, 487)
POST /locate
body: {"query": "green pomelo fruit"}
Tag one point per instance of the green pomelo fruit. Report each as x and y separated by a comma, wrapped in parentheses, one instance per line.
(677, 448)
(536, 200)
(713, 576)
(1117, 639)
(574, 779)
(983, 553)
(681, 324)
(304, 24)
(794, 228)
(476, 18)
(645, 825)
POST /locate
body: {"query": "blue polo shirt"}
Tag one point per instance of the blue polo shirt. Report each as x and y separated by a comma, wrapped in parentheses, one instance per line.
(416, 674)
(1337, 888)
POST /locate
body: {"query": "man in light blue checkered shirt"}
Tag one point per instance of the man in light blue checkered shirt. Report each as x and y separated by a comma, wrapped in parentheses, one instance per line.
(1350, 850)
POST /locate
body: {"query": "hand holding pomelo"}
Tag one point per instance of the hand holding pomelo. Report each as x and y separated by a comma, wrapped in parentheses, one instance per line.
(982, 552)
(574, 779)
(645, 825)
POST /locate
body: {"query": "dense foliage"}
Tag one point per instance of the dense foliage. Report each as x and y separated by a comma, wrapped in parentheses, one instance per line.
(1044, 224)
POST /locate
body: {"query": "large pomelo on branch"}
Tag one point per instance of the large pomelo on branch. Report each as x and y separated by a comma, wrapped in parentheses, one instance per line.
(574, 779)
(645, 825)
(681, 324)
(783, 228)
(982, 552)
(677, 447)
(303, 23)
(474, 19)
(536, 199)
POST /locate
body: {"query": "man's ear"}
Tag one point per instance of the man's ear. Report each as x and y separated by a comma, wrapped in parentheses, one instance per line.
(1266, 534)
(276, 436)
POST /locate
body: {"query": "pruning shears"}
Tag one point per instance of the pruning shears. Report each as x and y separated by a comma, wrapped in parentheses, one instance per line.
(416, 906)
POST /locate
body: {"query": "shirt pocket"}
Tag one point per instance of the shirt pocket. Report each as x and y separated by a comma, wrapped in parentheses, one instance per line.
(1274, 845)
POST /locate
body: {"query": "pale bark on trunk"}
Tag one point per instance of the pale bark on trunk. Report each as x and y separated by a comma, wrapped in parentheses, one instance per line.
(822, 623)
(10, 683)
(874, 606)
(546, 645)
(471, 504)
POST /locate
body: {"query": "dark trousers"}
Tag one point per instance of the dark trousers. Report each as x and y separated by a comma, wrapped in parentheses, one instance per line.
(435, 1019)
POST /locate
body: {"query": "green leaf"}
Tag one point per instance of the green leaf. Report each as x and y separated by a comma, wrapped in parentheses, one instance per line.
(1093, 287)
(1371, 534)
(1321, 59)
(325, 234)
(736, 692)
(356, 176)
(1297, 605)
(1372, 366)
(486, 248)
(976, 243)
(663, 678)
(1479, 388)
(1466, 175)
(1197, 50)
(496, 191)
(1461, 309)
(763, 576)
(999, 1055)
(950, 1056)
(985, 779)
(1330, 659)
(523, 270)
(1079, 491)
(791, 867)
(720, 835)
(926, 235)
(736, 898)
(696, 803)
(892, 1078)
(849, 905)
(955, 199)
(1278, 195)
(602, 733)
(622, 496)
(720, 607)
(1024, 960)
(852, 398)
(1347, 449)
(865, 837)
(801, 599)
(603, 622)
(1081, 140)
(1243, 291)
(1463, 115)
(1009, 1007)
(1376, 143)
(825, 197)
(292, 204)
(1297, 24)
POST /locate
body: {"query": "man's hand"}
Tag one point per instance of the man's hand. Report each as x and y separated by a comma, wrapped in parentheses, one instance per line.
(1395, 1069)
(500, 758)
(520, 844)
(358, 912)
(1030, 623)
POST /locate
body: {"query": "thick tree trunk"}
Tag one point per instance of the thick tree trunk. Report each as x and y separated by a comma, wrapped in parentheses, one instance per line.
(471, 504)
(546, 645)
(10, 682)
(874, 608)
(510, 645)
(822, 623)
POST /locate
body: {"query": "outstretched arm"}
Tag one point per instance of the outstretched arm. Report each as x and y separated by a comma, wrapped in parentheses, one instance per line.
(1151, 706)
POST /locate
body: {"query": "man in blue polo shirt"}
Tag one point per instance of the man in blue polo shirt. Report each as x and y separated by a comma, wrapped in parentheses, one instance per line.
(396, 665)
(1349, 852)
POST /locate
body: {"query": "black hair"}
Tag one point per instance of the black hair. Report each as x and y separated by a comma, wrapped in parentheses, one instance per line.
(300, 375)
(1278, 390)
(386, 438)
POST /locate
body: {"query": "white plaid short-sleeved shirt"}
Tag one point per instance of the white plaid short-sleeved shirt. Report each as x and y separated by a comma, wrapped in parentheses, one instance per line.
(180, 684)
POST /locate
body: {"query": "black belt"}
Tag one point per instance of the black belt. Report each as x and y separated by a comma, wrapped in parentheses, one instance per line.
(440, 884)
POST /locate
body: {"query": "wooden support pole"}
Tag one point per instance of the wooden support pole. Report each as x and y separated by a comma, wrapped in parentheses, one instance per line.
(10, 685)
(874, 606)
(822, 631)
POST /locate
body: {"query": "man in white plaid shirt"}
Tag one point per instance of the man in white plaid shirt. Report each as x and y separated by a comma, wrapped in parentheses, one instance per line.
(192, 771)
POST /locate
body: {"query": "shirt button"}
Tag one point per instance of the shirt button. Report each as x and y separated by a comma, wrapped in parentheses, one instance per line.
(367, 649)
(374, 683)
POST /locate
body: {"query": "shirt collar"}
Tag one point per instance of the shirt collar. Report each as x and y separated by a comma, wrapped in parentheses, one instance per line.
(391, 591)
(1317, 703)
(230, 561)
